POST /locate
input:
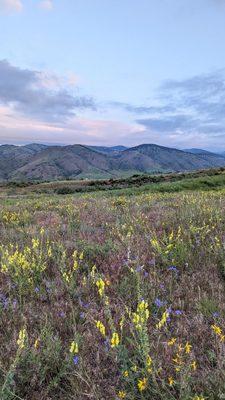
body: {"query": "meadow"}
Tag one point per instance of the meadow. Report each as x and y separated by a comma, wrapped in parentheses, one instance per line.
(109, 296)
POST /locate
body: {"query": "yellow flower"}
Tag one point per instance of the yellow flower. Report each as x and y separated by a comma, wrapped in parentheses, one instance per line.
(142, 384)
(101, 286)
(172, 341)
(100, 327)
(22, 338)
(217, 329)
(194, 365)
(198, 398)
(170, 380)
(148, 361)
(187, 348)
(121, 394)
(36, 343)
(126, 374)
(163, 320)
(74, 348)
(141, 316)
(115, 340)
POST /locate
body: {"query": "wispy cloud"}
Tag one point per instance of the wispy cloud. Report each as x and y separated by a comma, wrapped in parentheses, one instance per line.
(19, 129)
(39, 94)
(189, 110)
(141, 109)
(11, 6)
(46, 4)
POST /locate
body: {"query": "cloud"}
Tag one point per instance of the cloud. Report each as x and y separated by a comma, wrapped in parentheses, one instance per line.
(19, 129)
(192, 111)
(141, 109)
(39, 94)
(46, 4)
(10, 6)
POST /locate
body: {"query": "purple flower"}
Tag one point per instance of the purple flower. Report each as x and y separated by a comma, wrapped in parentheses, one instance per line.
(37, 290)
(159, 303)
(62, 314)
(178, 312)
(139, 268)
(82, 315)
(216, 314)
(75, 360)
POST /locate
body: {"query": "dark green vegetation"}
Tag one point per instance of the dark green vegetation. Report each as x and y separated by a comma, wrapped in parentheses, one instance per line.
(41, 163)
(173, 182)
(110, 295)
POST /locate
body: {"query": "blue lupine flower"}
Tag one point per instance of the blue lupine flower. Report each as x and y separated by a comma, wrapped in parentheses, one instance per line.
(159, 303)
(178, 312)
(216, 314)
(62, 314)
(75, 360)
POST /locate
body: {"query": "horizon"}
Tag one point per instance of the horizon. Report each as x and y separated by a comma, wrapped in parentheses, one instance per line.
(221, 151)
(102, 74)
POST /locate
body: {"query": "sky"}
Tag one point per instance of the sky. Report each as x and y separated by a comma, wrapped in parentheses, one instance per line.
(113, 72)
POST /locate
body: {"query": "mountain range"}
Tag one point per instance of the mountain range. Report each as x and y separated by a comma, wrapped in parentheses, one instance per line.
(43, 162)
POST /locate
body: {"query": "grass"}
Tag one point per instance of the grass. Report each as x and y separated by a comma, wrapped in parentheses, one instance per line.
(170, 182)
(114, 294)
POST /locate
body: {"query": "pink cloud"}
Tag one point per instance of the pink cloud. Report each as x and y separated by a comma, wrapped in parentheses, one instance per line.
(16, 128)
(9, 6)
(46, 4)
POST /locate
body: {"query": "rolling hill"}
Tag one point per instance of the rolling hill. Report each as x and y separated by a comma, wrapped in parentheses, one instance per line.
(41, 162)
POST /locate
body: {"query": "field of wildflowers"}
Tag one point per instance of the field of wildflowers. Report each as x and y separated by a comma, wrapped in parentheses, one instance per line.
(111, 297)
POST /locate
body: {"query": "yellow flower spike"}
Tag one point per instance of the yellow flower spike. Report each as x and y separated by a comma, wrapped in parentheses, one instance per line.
(163, 320)
(142, 384)
(100, 327)
(172, 341)
(170, 381)
(180, 348)
(22, 338)
(74, 348)
(121, 323)
(115, 340)
(194, 365)
(121, 394)
(126, 374)
(101, 286)
(37, 344)
(148, 361)
(93, 271)
(187, 348)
